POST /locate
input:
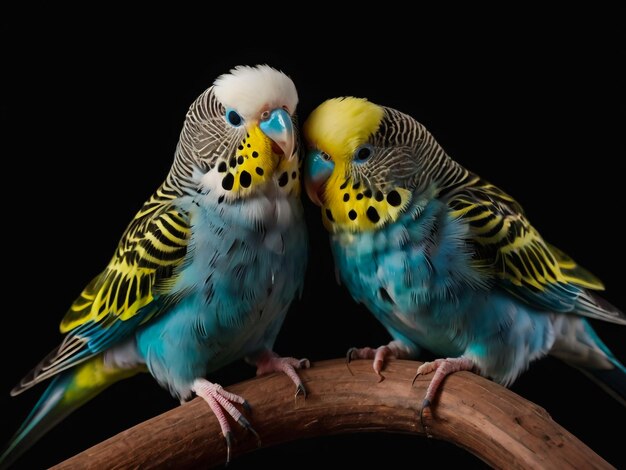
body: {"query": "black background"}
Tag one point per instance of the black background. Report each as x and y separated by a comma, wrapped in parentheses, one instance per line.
(532, 100)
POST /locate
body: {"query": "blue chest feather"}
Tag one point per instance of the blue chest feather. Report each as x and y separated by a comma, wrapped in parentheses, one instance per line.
(245, 265)
(417, 277)
(414, 275)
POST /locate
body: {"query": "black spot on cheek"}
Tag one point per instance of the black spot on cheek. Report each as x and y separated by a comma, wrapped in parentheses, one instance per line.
(259, 171)
(233, 162)
(372, 214)
(227, 182)
(240, 147)
(346, 197)
(221, 167)
(294, 175)
(394, 198)
(245, 179)
(367, 193)
(284, 179)
(344, 185)
(248, 145)
(220, 199)
(255, 154)
(356, 185)
(379, 196)
(352, 214)
(329, 214)
(240, 159)
(359, 197)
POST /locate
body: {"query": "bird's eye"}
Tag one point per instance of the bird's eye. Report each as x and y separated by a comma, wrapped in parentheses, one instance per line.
(265, 115)
(326, 157)
(233, 118)
(364, 152)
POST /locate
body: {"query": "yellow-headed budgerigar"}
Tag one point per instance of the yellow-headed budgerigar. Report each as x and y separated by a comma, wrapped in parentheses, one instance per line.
(445, 260)
(205, 272)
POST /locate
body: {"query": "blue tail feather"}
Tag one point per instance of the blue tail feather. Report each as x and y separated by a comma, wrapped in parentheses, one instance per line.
(45, 415)
(612, 381)
(68, 391)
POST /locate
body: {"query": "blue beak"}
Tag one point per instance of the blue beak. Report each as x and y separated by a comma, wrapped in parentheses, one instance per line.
(279, 128)
(317, 170)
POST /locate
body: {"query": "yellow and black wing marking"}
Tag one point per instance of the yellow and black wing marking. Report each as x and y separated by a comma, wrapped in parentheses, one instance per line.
(146, 256)
(513, 252)
(130, 291)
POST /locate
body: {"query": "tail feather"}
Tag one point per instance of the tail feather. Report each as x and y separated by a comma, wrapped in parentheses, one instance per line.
(612, 381)
(67, 392)
(47, 413)
(578, 345)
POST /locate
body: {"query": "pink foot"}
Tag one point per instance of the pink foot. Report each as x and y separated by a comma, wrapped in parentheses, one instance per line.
(269, 361)
(442, 368)
(395, 349)
(379, 355)
(221, 402)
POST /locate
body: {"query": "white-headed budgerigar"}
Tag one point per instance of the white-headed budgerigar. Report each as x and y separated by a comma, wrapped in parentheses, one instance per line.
(445, 260)
(205, 272)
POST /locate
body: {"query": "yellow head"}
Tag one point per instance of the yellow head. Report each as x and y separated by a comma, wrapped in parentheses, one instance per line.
(347, 171)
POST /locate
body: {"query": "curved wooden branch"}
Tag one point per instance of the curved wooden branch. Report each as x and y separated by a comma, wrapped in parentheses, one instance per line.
(490, 421)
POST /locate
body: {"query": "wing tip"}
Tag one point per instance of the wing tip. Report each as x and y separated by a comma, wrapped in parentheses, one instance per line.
(589, 281)
(608, 312)
(37, 374)
(27, 382)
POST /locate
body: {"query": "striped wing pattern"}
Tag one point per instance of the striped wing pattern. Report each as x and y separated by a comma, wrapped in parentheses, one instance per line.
(126, 293)
(509, 247)
(150, 249)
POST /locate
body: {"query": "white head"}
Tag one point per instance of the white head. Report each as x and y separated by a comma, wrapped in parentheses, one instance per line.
(254, 90)
(241, 134)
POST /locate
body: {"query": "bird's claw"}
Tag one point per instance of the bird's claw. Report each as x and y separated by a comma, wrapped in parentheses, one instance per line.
(415, 378)
(246, 407)
(349, 354)
(270, 362)
(228, 437)
(349, 359)
(248, 427)
(300, 390)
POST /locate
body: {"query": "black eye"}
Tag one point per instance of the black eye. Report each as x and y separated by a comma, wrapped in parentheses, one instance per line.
(233, 118)
(326, 157)
(364, 152)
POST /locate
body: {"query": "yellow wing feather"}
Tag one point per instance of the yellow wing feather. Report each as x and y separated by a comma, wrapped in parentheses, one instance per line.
(509, 245)
(144, 265)
(154, 243)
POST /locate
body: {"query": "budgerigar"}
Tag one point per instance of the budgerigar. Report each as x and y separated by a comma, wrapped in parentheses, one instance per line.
(205, 272)
(443, 259)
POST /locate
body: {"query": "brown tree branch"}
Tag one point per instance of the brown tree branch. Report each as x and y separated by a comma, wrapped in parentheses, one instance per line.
(495, 424)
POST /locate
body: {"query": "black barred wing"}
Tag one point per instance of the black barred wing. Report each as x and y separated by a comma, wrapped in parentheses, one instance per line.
(514, 253)
(127, 293)
(146, 257)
